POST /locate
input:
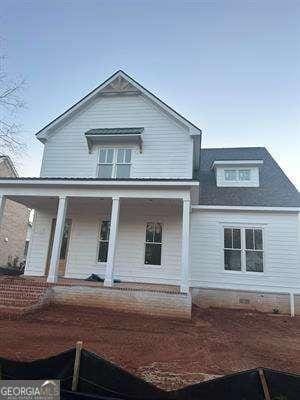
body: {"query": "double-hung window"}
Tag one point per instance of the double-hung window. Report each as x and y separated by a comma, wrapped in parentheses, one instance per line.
(103, 241)
(114, 163)
(243, 249)
(153, 243)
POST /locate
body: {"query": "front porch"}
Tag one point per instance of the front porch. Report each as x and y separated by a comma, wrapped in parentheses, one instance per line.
(129, 208)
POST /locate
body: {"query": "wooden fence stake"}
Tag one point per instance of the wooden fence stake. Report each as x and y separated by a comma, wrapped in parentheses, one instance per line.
(76, 366)
(264, 384)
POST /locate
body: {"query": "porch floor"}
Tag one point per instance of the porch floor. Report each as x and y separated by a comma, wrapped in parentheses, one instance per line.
(133, 286)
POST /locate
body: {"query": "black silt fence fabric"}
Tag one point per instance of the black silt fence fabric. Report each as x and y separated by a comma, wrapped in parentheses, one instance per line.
(240, 386)
(68, 395)
(98, 376)
(56, 367)
(283, 386)
(101, 380)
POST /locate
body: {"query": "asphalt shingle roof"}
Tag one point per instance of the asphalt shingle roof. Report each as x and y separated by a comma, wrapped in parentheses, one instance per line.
(275, 190)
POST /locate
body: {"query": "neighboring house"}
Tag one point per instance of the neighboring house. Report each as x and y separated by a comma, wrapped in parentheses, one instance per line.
(123, 194)
(15, 219)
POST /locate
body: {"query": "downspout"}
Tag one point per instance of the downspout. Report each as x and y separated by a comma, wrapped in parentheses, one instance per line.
(199, 172)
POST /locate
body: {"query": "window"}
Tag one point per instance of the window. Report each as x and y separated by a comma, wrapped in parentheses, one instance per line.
(114, 163)
(232, 249)
(230, 175)
(237, 174)
(243, 249)
(153, 243)
(103, 241)
(254, 250)
(244, 174)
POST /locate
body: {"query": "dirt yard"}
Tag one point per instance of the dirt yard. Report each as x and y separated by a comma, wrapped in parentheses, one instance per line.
(168, 353)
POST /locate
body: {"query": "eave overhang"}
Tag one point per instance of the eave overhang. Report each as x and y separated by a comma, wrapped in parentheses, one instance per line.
(95, 182)
(236, 163)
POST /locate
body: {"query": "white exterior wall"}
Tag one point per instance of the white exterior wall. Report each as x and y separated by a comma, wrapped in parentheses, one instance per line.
(281, 243)
(129, 261)
(167, 145)
(39, 243)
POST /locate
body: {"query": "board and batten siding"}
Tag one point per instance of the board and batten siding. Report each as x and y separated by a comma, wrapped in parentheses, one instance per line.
(129, 259)
(281, 246)
(167, 146)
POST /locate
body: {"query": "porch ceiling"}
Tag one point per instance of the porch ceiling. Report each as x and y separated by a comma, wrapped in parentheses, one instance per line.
(35, 202)
(77, 204)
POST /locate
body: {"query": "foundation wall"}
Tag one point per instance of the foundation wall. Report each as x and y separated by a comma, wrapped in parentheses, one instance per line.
(249, 300)
(159, 304)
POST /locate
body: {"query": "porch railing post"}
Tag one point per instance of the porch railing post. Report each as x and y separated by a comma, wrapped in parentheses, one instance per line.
(185, 246)
(114, 222)
(57, 239)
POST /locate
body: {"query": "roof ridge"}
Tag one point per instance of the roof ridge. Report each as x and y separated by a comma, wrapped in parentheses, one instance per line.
(233, 148)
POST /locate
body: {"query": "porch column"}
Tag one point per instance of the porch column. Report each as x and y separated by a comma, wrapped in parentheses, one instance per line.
(185, 246)
(114, 222)
(2, 206)
(57, 239)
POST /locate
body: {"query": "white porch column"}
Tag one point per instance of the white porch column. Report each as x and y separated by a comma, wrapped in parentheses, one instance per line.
(185, 246)
(57, 239)
(114, 222)
(2, 206)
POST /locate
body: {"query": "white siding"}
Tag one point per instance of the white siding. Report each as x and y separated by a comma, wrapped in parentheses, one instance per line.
(282, 269)
(129, 262)
(167, 148)
(39, 243)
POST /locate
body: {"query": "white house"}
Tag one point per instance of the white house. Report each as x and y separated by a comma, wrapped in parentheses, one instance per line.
(127, 193)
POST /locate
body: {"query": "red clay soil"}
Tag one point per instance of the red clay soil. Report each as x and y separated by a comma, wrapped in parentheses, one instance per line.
(169, 353)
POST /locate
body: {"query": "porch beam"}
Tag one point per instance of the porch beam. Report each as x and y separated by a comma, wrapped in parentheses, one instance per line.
(57, 239)
(114, 222)
(185, 246)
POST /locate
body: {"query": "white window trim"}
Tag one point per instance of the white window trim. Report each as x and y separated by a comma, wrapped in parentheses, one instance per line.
(162, 244)
(114, 162)
(243, 228)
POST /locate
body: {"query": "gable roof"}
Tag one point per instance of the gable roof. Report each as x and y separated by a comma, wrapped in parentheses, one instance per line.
(119, 82)
(7, 160)
(275, 189)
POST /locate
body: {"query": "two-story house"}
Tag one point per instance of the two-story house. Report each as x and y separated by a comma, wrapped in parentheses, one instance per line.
(127, 193)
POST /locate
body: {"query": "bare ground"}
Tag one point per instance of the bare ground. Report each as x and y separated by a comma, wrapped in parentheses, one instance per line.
(168, 353)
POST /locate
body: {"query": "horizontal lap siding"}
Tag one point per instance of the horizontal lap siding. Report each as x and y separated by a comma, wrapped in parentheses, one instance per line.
(129, 260)
(167, 146)
(282, 269)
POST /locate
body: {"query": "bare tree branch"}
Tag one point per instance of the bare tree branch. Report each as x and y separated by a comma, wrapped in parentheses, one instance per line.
(11, 140)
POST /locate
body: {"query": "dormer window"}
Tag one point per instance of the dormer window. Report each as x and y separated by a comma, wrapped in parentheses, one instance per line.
(114, 163)
(237, 173)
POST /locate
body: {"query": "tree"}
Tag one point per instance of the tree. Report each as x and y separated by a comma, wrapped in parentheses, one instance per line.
(11, 141)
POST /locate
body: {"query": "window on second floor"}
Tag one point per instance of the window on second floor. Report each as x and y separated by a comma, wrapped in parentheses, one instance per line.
(114, 163)
(237, 175)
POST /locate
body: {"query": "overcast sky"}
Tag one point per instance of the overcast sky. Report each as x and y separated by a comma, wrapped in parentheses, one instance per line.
(231, 67)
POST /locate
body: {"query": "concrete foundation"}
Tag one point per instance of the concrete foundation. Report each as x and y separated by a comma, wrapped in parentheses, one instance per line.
(249, 300)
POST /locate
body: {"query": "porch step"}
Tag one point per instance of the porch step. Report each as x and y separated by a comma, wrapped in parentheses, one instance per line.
(19, 296)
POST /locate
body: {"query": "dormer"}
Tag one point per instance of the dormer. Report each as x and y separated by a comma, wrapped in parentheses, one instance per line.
(237, 173)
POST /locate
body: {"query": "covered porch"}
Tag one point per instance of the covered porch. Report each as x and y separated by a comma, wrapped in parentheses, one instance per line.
(69, 242)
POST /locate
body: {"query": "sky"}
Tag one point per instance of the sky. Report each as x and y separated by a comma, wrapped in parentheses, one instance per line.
(231, 67)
